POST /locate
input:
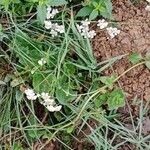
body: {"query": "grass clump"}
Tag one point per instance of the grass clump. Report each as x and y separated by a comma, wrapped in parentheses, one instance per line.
(68, 72)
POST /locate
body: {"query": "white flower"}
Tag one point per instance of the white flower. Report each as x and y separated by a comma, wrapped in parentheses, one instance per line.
(28, 91)
(48, 24)
(55, 28)
(60, 29)
(79, 28)
(31, 97)
(41, 62)
(51, 12)
(49, 8)
(45, 96)
(49, 103)
(53, 33)
(54, 12)
(147, 8)
(47, 99)
(30, 94)
(102, 24)
(112, 32)
(38, 95)
(85, 23)
(91, 34)
(48, 15)
(54, 108)
(148, 1)
(84, 29)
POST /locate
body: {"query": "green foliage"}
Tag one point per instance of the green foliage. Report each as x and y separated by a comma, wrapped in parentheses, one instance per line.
(65, 94)
(43, 82)
(17, 146)
(41, 13)
(116, 99)
(147, 63)
(6, 3)
(113, 99)
(71, 74)
(27, 50)
(56, 2)
(100, 100)
(94, 8)
(135, 58)
(49, 2)
(108, 80)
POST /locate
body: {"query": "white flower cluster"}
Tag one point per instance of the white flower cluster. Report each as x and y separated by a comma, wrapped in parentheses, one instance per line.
(86, 33)
(30, 94)
(147, 8)
(84, 29)
(48, 101)
(112, 32)
(42, 61)
(102, 23)
(51, 12)
(55, 28)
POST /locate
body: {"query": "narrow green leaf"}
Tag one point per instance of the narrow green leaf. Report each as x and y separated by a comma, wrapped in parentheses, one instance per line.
(93, 14)
(70, 129)
(135, 58)
(57, 2)
(41, 13)
(108, 80)
(147, 63)
(100, 100)
(85, 11)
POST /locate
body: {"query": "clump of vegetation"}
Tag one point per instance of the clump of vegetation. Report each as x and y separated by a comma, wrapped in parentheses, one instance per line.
(51, 83)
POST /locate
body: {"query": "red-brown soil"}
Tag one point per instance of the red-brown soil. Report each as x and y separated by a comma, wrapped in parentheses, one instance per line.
(134, 23)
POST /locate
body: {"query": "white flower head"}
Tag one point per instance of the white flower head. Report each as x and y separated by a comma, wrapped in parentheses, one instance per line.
(32, 97)
(38, 95)
(85, 23)
(102, 24)
(148, 1)
(112, 32)
(85, 30)
(91, 34)
(30, 94)
(49, 103)
(48, 24)
(54, 108)
(49, 8)
(147, 8)
(54, 12)
(51, 12)
(45, 96)
(28, 91)
(60, 29)
(42, 61)
(79, 28)
(53, 33)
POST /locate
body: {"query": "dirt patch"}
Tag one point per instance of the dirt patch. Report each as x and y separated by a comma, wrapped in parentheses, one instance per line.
(134, 23)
